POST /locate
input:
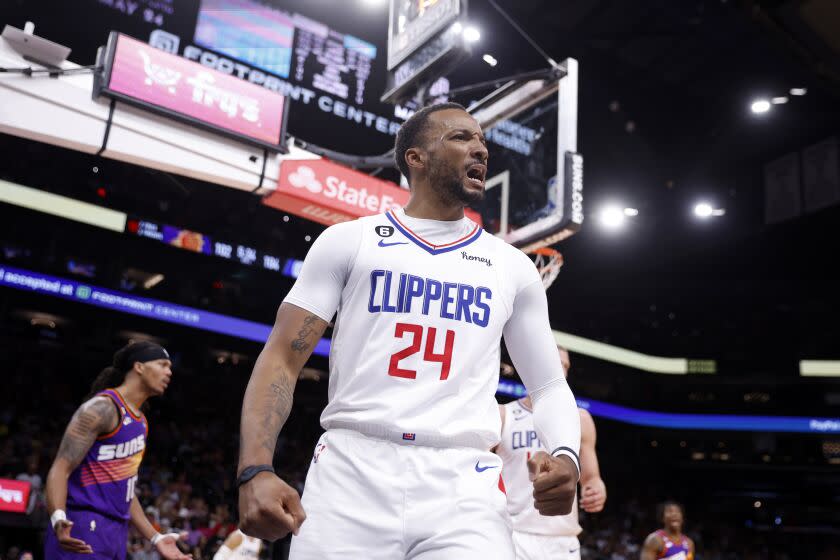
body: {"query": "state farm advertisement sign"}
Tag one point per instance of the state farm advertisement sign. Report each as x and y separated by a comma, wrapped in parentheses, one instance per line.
(328, 193)
(14, 495)
(325, 192)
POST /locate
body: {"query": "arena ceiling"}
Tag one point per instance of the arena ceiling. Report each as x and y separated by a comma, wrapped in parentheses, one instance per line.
(664, 120)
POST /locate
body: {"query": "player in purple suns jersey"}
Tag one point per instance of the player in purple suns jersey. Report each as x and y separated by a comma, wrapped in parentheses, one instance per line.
(90, 486)
(422, 298)
(669, 542)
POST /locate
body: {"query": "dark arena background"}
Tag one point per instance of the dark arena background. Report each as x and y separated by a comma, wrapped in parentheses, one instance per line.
(698, 298)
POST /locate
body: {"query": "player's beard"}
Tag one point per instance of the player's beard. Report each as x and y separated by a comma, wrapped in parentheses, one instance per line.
(448, 184)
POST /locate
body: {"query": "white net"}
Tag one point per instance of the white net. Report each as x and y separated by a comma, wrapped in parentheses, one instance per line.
(548, 261)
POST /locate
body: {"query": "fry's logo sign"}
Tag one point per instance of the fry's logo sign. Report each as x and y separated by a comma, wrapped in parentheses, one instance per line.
(14, 495)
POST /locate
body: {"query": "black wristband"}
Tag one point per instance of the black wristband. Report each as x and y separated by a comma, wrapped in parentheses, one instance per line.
(575, 460)
(250, 472)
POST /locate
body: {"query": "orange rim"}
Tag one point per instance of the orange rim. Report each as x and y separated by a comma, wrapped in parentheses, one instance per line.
(546, 251)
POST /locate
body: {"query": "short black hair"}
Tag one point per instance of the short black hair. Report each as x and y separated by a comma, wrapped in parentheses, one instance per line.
(411, 132)
(660, 510)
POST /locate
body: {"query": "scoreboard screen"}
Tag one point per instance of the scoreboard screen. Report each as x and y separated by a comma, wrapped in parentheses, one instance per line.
(413, 22)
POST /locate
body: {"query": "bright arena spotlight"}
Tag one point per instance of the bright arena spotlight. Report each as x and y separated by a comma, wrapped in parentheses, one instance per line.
(705, 210)
(760, 106)
(471, 34)
(612, 217)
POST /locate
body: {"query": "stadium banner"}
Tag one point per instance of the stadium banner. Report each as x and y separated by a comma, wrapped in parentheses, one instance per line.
(184, 90)
(124, 302)
(328, 193)
(14, 495)
(683, 421)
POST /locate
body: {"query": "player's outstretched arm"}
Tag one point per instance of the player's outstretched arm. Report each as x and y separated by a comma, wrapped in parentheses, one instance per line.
(593, 490)
(268, 507)
(95, 417)
(531, 345)
(651, 548)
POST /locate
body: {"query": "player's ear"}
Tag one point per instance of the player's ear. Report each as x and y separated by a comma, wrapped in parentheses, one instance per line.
(416, 158)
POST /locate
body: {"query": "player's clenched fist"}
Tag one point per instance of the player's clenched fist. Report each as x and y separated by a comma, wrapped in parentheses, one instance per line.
(555, 483)
(269, 508)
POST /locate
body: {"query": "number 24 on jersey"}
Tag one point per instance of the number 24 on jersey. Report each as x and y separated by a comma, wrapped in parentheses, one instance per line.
(417, 334)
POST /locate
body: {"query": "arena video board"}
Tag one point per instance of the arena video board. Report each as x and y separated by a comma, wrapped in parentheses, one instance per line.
(201, 243)
(266, 37)
(411, 23)
(337, 48)
(424, 44)
(178, 88)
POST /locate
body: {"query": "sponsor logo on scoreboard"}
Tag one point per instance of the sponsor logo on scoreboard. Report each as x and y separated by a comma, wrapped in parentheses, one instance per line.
(14, 495)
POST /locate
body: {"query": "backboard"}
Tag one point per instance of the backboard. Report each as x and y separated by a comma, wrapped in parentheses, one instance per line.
(534, 195)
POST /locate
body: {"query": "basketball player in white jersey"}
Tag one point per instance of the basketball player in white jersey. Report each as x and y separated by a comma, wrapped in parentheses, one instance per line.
(239, 546)
(535, 536)
(423, 297)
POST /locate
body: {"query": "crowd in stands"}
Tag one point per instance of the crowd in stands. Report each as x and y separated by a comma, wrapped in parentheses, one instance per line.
(186, 480)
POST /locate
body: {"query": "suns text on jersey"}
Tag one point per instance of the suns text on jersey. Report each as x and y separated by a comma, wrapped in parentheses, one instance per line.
(122, 450)
(415, 294)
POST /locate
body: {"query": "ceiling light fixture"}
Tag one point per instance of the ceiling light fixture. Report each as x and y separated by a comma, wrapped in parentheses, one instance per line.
(760, 106)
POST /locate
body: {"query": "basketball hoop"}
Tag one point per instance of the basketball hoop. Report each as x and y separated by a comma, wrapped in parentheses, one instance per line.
(548, 261)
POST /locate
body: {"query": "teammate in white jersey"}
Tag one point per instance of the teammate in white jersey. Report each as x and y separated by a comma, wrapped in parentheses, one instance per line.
(535, 536)
(239, 546)
(423, 297)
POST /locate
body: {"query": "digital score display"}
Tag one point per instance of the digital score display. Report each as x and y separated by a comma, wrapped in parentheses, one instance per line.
(413, 22)
(288, 45)
(427, 63)
(200, 243)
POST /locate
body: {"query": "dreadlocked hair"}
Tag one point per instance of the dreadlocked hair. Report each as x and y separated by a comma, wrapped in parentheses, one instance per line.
(114, 375)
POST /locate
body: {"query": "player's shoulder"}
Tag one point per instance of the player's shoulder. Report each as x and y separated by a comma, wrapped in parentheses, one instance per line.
(377, 224)
(342, 234)
(374, 219)
(512, 256)
(344, 227)
(585, 414)
(513, 406)
(654, 537)
(100, 402)
(99, 411)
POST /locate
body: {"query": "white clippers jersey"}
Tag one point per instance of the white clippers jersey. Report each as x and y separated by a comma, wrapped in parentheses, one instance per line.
(421, 307)
(249, 549)
(519, 441)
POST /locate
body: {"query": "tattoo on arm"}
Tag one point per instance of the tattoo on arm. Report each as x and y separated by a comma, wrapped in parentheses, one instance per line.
(276, 411)
(300, 344)
(93, 418)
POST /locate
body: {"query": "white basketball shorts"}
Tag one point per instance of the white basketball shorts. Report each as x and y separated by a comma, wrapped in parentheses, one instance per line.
(545, 547)
(376, 499)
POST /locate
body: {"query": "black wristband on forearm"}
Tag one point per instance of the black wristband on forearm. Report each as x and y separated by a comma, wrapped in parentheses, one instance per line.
(250, 472)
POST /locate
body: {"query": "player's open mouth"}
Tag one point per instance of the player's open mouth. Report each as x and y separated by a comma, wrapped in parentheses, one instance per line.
(476, 174)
